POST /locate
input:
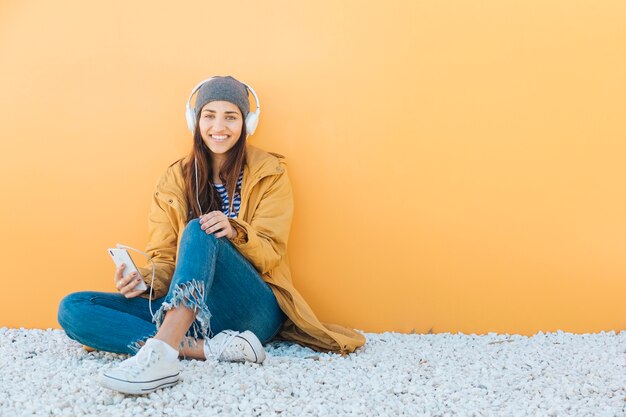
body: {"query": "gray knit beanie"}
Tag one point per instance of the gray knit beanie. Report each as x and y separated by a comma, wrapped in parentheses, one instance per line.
(223, 89)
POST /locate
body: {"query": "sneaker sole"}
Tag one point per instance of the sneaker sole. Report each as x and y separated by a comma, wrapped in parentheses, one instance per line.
(138, 387)
(255, 344)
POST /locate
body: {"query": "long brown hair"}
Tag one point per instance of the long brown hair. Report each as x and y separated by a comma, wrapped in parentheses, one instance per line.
(229, 174)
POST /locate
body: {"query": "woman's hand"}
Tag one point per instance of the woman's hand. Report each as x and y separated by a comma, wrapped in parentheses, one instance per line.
(125, 284)
(217, 223)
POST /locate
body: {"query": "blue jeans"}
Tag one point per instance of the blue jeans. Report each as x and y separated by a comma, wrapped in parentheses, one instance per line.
(211, 278)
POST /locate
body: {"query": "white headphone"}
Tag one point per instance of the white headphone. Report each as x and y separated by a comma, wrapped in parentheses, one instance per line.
(252, 119)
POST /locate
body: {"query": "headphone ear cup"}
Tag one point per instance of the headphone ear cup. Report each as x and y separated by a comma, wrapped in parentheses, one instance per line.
(191, 119)
(252, 120)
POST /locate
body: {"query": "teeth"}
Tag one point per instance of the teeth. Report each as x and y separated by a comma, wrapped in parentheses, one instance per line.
(222, 137)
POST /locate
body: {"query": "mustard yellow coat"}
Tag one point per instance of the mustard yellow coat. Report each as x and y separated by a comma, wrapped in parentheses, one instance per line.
(262, 228)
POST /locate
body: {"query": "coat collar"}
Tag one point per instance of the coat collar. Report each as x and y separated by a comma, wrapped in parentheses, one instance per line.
(259, 164)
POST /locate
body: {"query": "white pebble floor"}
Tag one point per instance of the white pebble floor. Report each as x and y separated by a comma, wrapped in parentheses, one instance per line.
(44, 373)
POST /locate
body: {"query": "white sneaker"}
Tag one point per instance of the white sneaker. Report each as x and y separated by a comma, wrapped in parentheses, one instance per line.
(153, 367)
(233, 346)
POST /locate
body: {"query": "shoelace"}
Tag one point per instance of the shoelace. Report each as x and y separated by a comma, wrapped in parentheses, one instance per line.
(144, 359)
(224, 350)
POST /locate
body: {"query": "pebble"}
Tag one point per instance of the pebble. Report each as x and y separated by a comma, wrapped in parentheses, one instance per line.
(444, 374)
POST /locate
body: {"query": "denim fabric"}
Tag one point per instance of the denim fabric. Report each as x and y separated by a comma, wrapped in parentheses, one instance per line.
(211, 277)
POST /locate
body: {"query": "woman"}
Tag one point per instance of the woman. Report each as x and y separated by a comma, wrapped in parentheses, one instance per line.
(220, 277)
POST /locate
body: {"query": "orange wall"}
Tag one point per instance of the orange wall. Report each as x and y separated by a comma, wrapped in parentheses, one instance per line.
(458, 166)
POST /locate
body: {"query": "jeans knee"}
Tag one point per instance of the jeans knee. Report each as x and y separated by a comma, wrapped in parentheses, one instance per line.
(193, 226)
(67, 308)
(194, 230)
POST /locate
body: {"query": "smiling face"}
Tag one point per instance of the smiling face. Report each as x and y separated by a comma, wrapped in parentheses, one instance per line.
(220, 125)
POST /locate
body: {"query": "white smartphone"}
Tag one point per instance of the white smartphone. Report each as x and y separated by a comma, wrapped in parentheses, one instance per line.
(121, 256)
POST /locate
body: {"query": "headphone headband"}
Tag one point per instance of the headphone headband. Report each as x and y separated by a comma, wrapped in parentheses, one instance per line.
(252, 119)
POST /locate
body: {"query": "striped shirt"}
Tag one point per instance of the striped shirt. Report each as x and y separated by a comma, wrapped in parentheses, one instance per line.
(221, 190)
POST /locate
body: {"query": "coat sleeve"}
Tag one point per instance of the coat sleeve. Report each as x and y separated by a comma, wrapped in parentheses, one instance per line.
(162, 243)
(263, 241)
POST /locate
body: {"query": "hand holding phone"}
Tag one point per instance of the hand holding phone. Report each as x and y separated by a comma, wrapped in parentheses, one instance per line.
(121, 257)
